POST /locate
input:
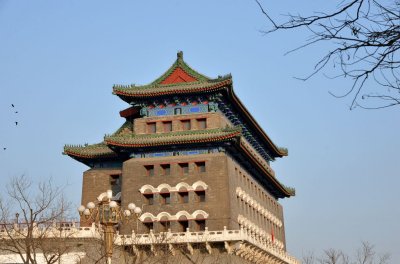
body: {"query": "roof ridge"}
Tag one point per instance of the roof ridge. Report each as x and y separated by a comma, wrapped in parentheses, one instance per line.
(180, 63)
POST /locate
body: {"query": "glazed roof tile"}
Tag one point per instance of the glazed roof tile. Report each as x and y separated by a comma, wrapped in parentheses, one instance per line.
(180, 64)
(174, 88)
(100, 150)
(175, 138)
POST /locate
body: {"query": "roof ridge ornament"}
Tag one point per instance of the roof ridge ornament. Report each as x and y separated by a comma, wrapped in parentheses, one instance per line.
(179, 55)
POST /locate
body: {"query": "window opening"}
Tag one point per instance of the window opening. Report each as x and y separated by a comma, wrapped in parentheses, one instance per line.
(115, 184)
(201, 166)
(184, 224)
(184, 197)
(201, 225)
(149, 170)
(201, 123)
(167, 126)
(166, 169)
(186, 124)
(164, 226)
(149, 226)
(149, 198)
(165, 198)
(201, 196)
(184, 168)
(151, 127)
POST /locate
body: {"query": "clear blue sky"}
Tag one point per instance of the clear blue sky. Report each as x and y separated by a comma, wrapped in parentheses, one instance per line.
(59, 60)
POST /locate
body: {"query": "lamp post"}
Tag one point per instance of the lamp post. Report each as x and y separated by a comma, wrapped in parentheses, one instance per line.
(108, 213)
(17, 216)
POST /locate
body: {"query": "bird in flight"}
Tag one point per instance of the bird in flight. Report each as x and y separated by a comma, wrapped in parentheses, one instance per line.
(16, 123)
(4, 148)
(12, 105)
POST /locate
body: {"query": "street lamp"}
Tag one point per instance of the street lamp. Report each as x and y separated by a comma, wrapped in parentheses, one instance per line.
(108, 213)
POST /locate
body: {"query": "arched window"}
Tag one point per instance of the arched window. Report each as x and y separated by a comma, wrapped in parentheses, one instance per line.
(183, 223)
(148, 224)
(164, 223)
(183, 194)
(200, 193)
(200, 222)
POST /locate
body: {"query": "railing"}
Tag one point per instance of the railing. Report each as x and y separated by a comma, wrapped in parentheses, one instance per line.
(72, 230)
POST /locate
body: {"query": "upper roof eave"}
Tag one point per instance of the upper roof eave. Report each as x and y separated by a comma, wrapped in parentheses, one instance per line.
(94, 151)
(176, 138)
(129, 93)
(278, 151)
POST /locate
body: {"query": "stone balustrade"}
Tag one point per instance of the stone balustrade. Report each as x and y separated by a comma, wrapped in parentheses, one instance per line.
(230, 237)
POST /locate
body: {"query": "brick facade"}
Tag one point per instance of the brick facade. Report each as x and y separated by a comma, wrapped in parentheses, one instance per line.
(193, 158)
(223, 175)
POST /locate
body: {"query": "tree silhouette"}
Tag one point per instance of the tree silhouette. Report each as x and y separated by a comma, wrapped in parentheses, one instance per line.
(365, 35)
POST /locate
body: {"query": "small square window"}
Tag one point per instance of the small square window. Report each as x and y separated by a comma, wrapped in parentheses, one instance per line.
(186, 124)
(149, 198)
(167, 126)
(166, 169)
(115, 184)
(184, 168)
(183, 197)
(151, 127)
(201, 196)
(165, 198)
(149, 170)
(201, 166)
(201, 123)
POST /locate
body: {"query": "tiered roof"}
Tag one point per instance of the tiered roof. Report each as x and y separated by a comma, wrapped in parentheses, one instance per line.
(180, 79)
(124, 139)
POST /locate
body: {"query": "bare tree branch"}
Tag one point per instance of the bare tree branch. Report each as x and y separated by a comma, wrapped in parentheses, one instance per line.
(38, 208)
(366, 39)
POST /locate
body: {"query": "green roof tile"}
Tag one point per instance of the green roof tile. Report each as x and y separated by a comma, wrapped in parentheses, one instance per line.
(100, 150)
(180, 137)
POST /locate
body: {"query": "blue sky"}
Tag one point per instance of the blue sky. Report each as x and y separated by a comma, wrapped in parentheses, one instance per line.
(59, 60)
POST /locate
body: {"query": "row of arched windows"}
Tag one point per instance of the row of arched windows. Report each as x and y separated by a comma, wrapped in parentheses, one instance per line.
(248, 182)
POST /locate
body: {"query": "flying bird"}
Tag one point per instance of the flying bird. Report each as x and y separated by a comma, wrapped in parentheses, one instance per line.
(12, 105)
(16, 112)
(16, 123)
(4, 148)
